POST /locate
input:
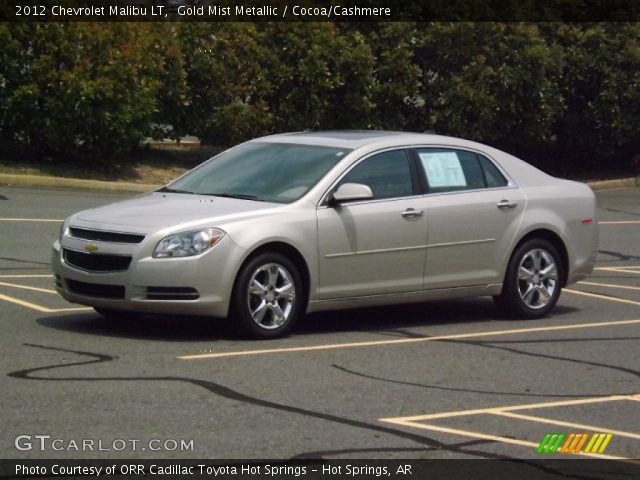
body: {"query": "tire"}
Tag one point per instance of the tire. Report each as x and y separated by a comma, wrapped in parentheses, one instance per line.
(533, 280)
(268, 297)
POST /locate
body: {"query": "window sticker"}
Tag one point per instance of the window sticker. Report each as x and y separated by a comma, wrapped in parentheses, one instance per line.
(443, 169)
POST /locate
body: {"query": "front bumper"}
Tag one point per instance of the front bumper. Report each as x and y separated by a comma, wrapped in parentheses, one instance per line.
(153, 285)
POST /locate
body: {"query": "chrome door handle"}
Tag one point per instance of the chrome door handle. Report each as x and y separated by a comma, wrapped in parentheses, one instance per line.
(412, 213)
(506, 205)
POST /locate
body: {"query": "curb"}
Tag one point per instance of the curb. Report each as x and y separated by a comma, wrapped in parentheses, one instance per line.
(618, 183)
(15, 180)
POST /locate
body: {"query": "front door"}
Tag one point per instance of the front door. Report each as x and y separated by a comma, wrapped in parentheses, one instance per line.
(375, 246)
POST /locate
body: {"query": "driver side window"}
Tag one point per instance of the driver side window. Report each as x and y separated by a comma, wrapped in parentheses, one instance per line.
(387, 174)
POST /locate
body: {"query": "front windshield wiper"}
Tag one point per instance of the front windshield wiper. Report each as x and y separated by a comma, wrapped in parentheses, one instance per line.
(241, 196)
(174, 190)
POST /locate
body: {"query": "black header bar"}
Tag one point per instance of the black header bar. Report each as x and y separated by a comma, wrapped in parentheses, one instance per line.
(314, 10)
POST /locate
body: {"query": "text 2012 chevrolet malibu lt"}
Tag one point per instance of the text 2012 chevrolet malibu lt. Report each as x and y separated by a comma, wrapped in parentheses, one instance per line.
(294, 223)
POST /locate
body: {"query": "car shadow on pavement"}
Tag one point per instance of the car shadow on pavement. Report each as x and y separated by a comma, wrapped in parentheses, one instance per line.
(398, 320)
(143, 327)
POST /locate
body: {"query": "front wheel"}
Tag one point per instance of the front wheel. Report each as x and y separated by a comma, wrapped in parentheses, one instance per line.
(532, 283)
(268, 296)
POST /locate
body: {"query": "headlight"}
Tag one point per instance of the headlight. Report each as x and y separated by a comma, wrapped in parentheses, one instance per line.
(188, 244)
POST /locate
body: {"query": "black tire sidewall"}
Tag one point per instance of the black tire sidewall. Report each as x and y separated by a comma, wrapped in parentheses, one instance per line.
(239, 310)
(510, 298)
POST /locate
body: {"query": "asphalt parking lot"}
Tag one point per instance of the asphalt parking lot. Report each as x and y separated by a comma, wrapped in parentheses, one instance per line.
(436, 380)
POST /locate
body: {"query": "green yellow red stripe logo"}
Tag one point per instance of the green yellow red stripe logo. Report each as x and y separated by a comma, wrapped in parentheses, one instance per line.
(574, 443)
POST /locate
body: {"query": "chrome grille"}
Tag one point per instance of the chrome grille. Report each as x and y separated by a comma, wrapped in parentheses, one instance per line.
(96, 262)
(104, 236)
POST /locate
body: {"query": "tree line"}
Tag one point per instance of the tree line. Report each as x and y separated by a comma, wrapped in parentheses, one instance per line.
(565, 96)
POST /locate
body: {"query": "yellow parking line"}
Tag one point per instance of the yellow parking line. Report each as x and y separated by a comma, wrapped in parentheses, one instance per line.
(26, 276)
(466, 433)
(416, 421)
(405, 340)
(602, 297)
(25, 287)
(619, 269)
(484, 436)
(580, 426)
(632, 267)
(40, 308)
(609, 285)
(620, 222)
(511, 408)
(30, 220)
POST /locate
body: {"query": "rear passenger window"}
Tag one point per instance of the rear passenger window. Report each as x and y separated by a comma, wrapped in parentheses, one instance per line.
(387, 174)
(492, 175)
(451, 170)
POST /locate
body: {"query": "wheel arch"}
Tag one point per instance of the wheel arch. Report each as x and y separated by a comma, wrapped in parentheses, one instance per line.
(289, 251)
(555, 240)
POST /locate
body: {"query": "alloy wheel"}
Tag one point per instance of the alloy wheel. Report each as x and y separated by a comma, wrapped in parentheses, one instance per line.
(271, 296)
(537, 278)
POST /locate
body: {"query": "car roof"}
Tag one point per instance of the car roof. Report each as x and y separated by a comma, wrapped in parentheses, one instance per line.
(371, 140)
(352, 139)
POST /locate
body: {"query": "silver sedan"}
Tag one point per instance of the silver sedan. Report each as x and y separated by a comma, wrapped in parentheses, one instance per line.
(302, 222)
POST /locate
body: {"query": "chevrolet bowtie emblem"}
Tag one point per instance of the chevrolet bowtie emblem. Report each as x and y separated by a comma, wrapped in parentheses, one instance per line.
(90, 247)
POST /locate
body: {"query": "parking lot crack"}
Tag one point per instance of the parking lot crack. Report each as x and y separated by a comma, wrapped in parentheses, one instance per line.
(228, 393)
(454, 389)
(21, 260)
(629, 371)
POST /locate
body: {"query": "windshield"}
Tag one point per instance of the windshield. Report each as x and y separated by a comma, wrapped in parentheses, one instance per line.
(269, 172)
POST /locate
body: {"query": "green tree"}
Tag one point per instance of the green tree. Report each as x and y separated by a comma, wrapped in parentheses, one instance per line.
(321, 76)
(600, 84)
(170, 119)
(227, 84)
(491, 82)
(76, 88)
(397, 78)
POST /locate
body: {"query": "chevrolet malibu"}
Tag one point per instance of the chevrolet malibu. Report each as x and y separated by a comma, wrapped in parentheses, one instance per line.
(302, 222)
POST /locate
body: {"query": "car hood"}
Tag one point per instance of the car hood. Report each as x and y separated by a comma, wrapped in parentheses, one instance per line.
(155, 211)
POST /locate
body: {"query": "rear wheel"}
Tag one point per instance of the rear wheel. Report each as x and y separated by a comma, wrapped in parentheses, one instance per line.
(532, 283)
(268, 296)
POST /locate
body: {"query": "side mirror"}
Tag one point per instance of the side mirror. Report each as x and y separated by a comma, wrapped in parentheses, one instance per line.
(349, 192)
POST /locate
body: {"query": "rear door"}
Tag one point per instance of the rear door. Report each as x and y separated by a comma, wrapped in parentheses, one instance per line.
(473, 212)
